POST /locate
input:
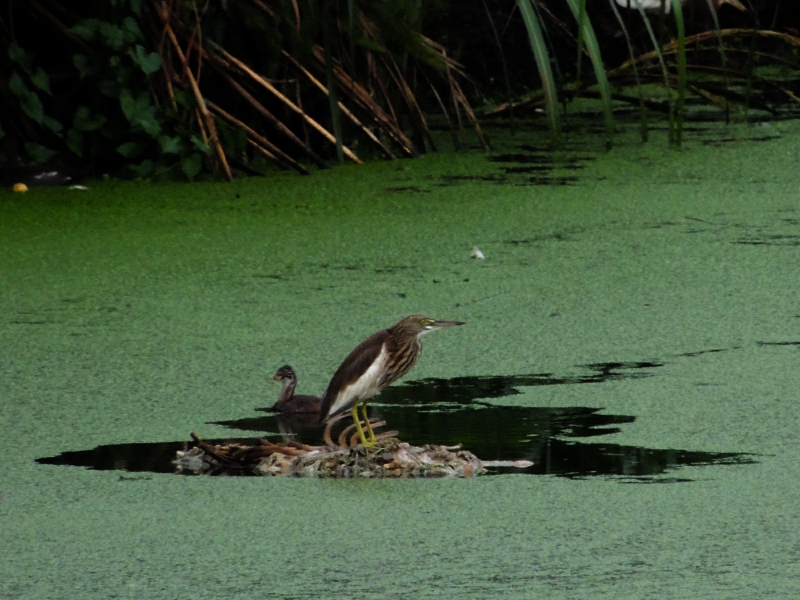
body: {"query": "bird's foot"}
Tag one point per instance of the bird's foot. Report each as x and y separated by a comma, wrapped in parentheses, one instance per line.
(368, 444)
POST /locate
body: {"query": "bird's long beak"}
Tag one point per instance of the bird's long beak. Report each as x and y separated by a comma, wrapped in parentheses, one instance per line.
(438, 323)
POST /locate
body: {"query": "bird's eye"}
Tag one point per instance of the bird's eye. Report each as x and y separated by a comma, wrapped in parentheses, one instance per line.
(427, 322)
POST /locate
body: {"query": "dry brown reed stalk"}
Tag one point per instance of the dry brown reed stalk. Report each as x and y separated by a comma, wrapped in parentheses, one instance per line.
(740, 98)
(286, 101)
(205, 120)
(260, 143)
(177, 31)
(693, 43)
(356, 92)
(672, 47)
(365, 100)
(457, 94)
(63, 29)
(224, 68)
(417, 118)
(270, 117)
(317, 83)
(453, 131)
(418, 121)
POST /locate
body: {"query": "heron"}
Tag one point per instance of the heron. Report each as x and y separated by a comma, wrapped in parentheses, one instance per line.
(381, 359)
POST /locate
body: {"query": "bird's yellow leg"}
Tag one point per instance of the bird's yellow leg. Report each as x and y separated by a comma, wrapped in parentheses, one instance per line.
(373, 441)
(357, 421)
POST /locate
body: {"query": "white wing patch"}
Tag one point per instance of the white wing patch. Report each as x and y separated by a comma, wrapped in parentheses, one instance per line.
(365, 387)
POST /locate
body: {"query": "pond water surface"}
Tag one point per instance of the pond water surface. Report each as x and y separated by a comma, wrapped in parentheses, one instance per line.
(450, 412)
(636, 320)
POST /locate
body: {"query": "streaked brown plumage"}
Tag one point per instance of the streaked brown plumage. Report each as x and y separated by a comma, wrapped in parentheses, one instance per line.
(381, 359)
(288, 402)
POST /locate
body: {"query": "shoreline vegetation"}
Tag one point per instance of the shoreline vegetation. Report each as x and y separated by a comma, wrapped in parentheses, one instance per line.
(177, 89)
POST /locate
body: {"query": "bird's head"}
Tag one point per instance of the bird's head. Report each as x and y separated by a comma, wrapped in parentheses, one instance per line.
(418, 325)
(285, 373)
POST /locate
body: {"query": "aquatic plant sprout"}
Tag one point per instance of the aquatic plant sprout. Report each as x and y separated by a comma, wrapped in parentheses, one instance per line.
(586, 32)
(542, 58)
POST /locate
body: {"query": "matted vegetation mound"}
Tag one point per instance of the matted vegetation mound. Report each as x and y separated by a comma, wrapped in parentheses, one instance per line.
(392, 458)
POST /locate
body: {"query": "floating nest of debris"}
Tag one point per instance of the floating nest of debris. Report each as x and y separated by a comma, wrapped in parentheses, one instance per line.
(348, 459)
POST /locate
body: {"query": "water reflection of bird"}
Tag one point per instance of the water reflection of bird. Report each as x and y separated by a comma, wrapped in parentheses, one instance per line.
(288, 402)
(381, 359)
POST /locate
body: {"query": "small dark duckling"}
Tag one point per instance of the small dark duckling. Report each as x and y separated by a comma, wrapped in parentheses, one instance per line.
(288, 402)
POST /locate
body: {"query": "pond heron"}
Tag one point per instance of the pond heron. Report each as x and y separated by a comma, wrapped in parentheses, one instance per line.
(381, 359)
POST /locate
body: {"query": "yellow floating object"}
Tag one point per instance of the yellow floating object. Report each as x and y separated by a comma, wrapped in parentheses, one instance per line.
(20, 187)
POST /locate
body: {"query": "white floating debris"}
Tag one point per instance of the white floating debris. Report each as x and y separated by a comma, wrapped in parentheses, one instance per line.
(476, 253)
(517, 464)
(48, 176)
(655, 5)
(78, 187)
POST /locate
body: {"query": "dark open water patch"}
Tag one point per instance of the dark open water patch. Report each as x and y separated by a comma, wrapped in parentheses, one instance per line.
(453, 411)
(779, 344)
(770, 240)
(531, 166)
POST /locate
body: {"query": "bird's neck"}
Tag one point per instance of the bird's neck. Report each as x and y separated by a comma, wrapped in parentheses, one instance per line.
(400, 336)
(287, 391)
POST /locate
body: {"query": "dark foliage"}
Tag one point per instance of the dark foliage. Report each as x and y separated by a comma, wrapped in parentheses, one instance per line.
(178, 88)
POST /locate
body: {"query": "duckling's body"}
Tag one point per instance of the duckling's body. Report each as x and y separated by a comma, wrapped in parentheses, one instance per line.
(288, 402)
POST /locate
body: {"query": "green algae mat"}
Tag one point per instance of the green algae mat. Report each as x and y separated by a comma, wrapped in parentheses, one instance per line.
(634, 331)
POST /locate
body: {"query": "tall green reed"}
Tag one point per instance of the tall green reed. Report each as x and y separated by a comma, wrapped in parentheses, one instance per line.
(677, 10)
(586, 33)
(542, 58)
(663, 64)
(721, 49)
(643, 130)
